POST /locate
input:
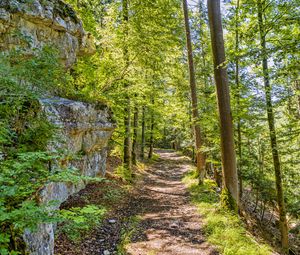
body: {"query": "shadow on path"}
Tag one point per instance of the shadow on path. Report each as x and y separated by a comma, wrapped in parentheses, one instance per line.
(169, 223)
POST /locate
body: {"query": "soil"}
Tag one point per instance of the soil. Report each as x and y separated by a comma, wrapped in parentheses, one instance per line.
(168, 223)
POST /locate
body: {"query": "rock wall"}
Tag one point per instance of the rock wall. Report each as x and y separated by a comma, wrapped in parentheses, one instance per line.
(32, 24)
(83, 129)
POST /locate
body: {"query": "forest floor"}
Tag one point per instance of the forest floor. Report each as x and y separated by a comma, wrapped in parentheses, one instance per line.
(156, 217)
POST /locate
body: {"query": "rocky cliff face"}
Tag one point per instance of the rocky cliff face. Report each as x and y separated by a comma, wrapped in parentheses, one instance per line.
(83, 130)
(32, 24)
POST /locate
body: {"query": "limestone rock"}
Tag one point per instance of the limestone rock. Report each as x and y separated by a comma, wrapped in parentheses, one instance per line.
(83, 129)
(36, 23)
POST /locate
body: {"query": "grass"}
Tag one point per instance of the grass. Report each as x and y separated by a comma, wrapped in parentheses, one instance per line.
(222, 228)
(127, 233)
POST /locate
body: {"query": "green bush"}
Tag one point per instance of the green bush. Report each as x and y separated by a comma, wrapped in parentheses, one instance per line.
(79, 221)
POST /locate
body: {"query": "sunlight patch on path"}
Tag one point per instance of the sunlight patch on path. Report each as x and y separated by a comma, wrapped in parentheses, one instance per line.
(169, 223)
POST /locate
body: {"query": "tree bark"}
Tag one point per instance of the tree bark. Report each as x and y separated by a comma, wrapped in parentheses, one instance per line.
(192, 133)
(135, 135)
(151, 143)
(220, 71)
(272, 131)
(127, 111)
(203, 53)
(127, 136)
(143, 134)
(197, 130)
(238, 96)
(297, 89)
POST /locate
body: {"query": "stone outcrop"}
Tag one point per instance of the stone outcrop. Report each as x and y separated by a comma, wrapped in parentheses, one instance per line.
(32, 24)
(84, 130)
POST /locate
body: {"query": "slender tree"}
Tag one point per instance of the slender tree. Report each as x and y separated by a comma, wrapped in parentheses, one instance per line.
(135, 135)
(272, 129)
(127, 110)
(237, 84)
(197, 130)
(143, 134)
(220, 71)
(151, 142)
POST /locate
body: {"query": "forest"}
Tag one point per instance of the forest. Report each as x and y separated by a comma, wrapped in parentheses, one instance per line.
(203, 98)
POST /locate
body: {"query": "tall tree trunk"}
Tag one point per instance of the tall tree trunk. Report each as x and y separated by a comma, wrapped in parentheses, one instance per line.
(203, 53)
(272, 131)
(127, 137)
(297, 89)
(238, 96)
(165, 145)
(192, 132)
(221, 79)
(135, 135)
(151, 143)
(197, 130)
(143, 134)
(127, 110)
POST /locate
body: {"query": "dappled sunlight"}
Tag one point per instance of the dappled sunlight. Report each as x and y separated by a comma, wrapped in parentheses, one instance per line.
(169, 223)
(222, 228)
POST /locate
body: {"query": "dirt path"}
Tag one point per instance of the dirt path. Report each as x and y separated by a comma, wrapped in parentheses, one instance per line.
(169, 223)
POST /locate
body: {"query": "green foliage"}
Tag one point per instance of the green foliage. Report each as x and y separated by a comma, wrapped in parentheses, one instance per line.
(77, 222)
(222, 227)
(127, 233)
(114, 195)
(249, 108)
(72, 175)
(155, 157)
(38, 75)
(26, 165)
(149, 57)
(124, 173)
(23, 164)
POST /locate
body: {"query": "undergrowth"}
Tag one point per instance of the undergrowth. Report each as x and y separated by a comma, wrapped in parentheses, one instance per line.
(154, 158)
(127, 233)
(125, 174)
(26, 163)
(79, 221)
(130, 176)
(222, 228)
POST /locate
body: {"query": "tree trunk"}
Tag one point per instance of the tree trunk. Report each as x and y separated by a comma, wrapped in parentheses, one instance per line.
(272, 131)
(203, 53)
(135, 135)
(221, 79)
(127, 110)
(143, 134)
(297, 89)
(238, 96)
(192, 133)
(127, 138)
(197, 130)
(151, 132)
